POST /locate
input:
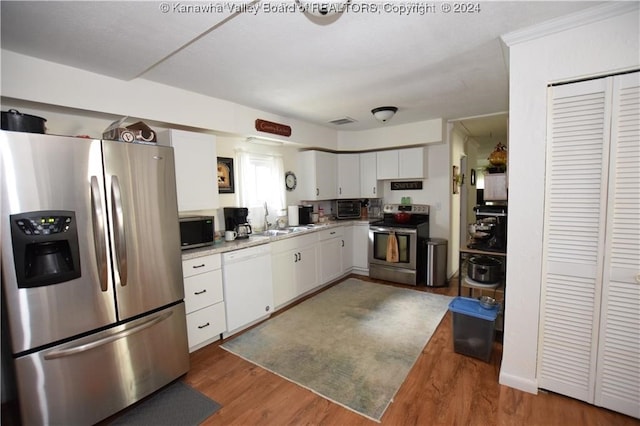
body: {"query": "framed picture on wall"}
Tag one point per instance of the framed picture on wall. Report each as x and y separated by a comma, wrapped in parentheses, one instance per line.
(225, 175)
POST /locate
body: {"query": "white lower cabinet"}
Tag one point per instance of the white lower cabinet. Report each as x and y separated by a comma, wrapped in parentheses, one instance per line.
(347, 249)
(360, 249)
(331, 249)
(295, 268)
(204, 326)
(204, 300)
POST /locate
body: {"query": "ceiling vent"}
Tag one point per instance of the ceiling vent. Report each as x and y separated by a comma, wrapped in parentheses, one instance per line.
(341, 121)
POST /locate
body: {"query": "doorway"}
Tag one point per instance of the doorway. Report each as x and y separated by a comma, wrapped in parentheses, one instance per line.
(472, 141)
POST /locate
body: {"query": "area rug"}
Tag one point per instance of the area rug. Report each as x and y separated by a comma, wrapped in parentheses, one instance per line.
(353, 344)
(176, 404)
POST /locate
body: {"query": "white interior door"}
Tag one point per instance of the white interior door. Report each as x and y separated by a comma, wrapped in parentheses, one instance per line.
(590, 317)
(575, 206)
(618, 367)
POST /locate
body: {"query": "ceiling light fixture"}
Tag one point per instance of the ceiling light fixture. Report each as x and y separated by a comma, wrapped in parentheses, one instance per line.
(384, 113)
(322, 12)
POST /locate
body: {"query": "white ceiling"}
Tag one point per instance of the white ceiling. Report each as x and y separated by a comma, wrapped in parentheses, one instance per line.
(438, 64)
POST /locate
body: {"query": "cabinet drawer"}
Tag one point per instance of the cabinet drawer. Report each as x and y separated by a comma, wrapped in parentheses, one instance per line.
(327, 234)
(199, 265)
(202, 290)
(205, 324)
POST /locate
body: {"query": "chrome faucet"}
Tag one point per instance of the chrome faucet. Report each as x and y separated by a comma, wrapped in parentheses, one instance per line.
(267, 225)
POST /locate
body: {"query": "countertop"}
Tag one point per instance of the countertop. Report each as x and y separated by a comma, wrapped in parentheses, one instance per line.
(257, 239)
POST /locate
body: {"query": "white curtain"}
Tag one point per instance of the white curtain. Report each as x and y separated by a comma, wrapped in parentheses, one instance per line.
(261, 180)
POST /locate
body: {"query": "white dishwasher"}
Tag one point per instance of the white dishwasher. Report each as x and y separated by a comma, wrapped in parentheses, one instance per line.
(248, 288)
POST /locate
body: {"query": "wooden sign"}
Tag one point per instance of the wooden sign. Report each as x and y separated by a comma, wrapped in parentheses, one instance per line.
(271, 127)
(398, 186)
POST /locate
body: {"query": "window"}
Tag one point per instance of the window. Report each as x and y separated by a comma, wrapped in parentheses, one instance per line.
(261, 180)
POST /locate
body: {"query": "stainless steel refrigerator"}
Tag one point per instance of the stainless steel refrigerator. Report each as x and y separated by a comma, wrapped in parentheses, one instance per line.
(91, 274)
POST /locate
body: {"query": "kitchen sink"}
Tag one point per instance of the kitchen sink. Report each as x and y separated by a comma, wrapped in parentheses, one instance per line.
(291, 229)
(275, 232)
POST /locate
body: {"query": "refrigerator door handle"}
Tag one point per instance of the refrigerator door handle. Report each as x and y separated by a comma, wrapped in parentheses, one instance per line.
(99, 241)
(101, 341)
(118, 227)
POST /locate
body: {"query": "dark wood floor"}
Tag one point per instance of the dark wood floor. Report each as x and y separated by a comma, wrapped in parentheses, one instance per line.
(443, 388)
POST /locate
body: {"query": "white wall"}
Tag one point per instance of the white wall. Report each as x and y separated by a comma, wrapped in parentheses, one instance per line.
(35, 80)
(471, 149)
(32, 80)
(393, 136)
(457, 139)
(604, 44)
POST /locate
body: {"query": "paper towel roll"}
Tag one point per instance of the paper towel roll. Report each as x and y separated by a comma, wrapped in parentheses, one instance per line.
(293, 216)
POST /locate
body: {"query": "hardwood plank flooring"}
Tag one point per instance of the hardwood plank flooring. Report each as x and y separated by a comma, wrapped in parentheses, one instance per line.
(443, 388)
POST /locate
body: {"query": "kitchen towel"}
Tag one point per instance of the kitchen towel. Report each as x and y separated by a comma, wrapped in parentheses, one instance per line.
(392, 248)
(293, 216)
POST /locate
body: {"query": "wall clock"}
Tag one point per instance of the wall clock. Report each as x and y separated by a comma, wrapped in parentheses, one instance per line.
(290, 181)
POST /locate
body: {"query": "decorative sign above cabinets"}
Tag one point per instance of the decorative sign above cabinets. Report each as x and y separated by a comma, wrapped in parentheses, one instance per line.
(399, 186)
(271, 127)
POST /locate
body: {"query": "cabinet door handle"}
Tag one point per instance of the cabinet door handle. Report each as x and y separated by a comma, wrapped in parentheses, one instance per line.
(340, 191)
(342, 243)
(198, 266)
(374, 189)
(200, 292)
(317, 191)
(300, 256)
(295, 257)
(99, 239)
(118, 228)
(204, 325)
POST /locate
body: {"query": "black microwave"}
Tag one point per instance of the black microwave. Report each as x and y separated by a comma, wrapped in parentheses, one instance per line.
(196, 231)
(347, 209)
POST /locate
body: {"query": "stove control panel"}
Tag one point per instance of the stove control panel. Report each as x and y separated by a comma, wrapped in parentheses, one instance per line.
(409, 208)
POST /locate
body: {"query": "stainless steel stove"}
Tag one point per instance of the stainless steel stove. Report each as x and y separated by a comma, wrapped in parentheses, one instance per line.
(409, 239)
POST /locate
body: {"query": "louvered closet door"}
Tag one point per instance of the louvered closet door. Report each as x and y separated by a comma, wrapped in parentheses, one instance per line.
(618, 367)
(575, 204)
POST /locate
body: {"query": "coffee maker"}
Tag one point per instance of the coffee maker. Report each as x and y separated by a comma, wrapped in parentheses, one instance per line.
(489, 232)
(235, 219)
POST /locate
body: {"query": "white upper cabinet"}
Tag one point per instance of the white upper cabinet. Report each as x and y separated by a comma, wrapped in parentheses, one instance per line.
(317, 177)
(406, 163)
(369, 185)
(348, 175)
(495, 187)
(411, 163)
(387, 164)
(196, 163)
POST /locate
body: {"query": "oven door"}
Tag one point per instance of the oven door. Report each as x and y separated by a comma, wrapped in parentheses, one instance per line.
(407, 246)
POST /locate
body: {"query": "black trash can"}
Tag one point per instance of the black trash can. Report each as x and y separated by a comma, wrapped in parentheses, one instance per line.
(473, 327)
(436, 264)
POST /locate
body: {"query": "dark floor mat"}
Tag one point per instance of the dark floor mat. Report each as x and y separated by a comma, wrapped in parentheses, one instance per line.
(176, 405)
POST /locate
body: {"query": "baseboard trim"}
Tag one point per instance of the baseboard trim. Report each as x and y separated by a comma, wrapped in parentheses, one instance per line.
(517, 382)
